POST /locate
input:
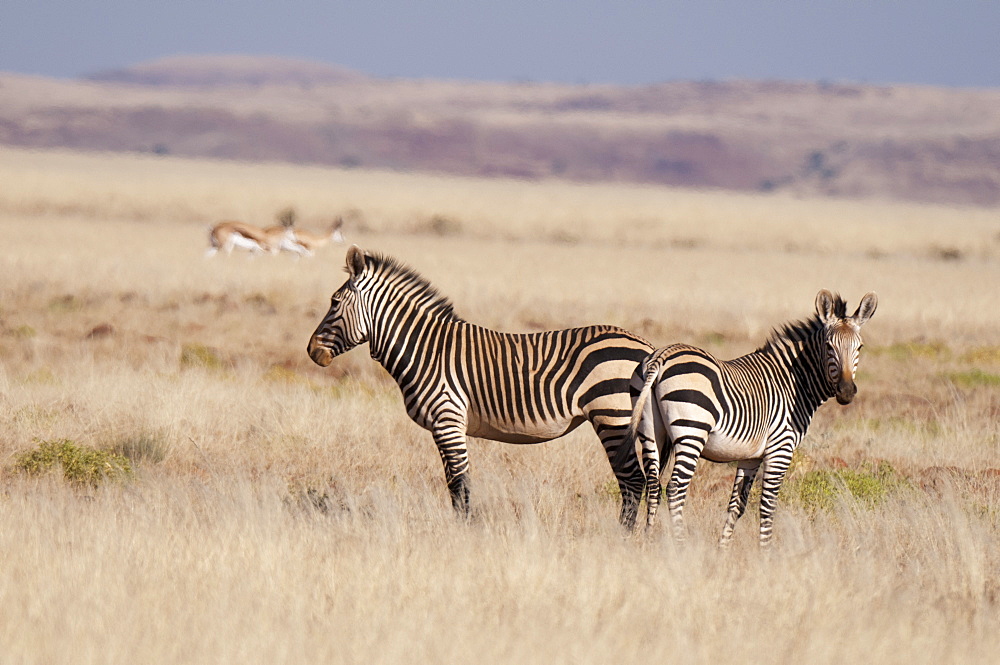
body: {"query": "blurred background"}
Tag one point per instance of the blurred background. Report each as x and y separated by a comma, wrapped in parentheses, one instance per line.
(843, 98)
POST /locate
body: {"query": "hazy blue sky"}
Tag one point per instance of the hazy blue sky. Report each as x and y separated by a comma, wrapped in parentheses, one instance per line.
(949, 42)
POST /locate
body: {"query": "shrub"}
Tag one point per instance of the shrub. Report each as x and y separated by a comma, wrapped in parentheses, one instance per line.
(199, 355)
(870, 485)
(441, 225)
(80, 465)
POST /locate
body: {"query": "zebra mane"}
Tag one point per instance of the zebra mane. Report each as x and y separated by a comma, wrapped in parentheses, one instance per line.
(796, 332)
(386, 267)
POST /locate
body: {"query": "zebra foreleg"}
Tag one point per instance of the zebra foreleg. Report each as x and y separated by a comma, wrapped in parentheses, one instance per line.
(451, 444)
(458, 488)
(774, 474)
(746, 471)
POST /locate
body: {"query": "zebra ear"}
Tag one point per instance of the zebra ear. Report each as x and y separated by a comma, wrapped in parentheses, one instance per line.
(825, 306)
(866, 308)
(355, 261)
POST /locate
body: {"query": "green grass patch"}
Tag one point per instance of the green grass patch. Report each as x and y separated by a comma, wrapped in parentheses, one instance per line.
(609, 490)
(23, 332)
(712, 339)
(895, 424)
(820, 489)
(982, 355)
(80, 465)
(282, 374)
(974, 378)
(912, 350)
(65, 304)
(199, 355)
(41, 377)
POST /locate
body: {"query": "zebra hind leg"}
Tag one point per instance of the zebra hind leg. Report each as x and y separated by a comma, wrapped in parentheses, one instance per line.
(625, 466)
(631, 483)
(745, 474)
(651, 466)
(687, 450)
(628, 473)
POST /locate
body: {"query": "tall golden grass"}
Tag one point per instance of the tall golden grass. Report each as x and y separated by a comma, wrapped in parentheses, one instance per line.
(282, 513)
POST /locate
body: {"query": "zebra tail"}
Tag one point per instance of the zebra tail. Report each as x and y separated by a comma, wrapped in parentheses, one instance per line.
(651, 371)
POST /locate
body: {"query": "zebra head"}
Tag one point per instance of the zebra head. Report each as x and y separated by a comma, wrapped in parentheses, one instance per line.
(345, 325)
(843, 340)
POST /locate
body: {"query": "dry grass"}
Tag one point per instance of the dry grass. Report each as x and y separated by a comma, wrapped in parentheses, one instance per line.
(284, 513)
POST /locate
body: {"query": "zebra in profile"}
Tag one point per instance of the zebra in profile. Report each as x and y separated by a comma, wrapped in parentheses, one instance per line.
(459, 379)
(751, 410)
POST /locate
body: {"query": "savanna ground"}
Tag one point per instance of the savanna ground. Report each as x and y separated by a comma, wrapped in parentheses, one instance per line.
(273, 511)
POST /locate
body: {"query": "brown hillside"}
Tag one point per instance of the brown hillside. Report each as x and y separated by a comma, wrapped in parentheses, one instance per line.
(905, 142)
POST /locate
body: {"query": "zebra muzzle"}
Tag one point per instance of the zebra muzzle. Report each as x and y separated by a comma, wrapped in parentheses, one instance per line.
(319, 354)
(846, 392)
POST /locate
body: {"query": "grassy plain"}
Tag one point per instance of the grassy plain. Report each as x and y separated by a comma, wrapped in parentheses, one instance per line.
(279, 512)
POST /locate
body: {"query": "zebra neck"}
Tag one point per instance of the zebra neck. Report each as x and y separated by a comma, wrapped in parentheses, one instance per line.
(406, 336)
(802, 358)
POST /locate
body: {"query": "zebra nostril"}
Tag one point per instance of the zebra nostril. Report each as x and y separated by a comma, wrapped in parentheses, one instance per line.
(321, 356)
(846, 392)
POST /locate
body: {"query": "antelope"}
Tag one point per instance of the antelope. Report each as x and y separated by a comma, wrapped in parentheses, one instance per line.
(313, 241)
(271, 240)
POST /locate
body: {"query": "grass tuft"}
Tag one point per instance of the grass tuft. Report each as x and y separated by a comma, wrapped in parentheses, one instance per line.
(982, 355)
(24, 332)
(142, 447)
(80, 465)
(974, 378)
(282, 374)
(199, 355)
(820, 489)
(65, 304)
(911, 350)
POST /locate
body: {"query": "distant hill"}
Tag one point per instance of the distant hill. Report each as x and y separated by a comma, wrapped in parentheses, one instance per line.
(228, 70)
(905, 142)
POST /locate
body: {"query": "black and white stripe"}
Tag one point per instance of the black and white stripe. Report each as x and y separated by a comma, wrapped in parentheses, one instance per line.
(751, 410)
(459, 379)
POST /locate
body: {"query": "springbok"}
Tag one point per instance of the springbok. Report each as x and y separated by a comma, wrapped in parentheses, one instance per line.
(271, 240)
(313, 241)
